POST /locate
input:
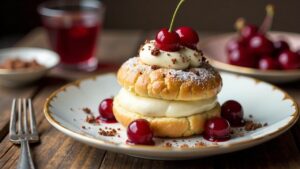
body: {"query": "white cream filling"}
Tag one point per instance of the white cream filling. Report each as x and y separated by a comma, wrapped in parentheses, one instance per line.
(181, 59)
(162, 108)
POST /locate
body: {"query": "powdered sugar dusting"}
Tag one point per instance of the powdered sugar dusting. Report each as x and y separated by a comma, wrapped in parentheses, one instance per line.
(200, 75)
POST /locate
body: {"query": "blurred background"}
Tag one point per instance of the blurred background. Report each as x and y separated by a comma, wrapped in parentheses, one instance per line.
(19, 17)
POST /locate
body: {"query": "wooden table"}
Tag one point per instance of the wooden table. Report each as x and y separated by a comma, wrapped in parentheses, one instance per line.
(56, 150)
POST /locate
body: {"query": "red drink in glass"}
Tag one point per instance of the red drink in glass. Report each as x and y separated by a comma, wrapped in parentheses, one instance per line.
(73, 31)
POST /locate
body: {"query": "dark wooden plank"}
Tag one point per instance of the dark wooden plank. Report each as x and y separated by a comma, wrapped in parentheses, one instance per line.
(115, 160)
(281, 152)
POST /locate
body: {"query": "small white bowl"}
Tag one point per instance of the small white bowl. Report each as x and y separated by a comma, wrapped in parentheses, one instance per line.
(15, 78)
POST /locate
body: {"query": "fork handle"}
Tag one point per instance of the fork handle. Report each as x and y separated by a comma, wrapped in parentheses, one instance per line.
(25, 160)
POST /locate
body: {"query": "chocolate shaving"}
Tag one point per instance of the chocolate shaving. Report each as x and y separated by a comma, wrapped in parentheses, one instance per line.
(200, 144)
(154, 67)
(174, 60)
(87, 110)
(155, 52)
(184, 146)
(110, 132)
(167, 144)
(90, 118)
(199, 51)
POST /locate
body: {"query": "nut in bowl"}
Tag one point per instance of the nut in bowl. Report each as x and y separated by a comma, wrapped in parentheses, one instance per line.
(256, 51)
(20, 66)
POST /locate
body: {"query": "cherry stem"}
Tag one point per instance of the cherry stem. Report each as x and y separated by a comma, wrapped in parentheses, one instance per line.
(267, 23)
(239, 24)
(174, 15)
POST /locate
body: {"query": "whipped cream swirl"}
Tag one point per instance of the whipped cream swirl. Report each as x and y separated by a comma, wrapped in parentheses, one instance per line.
(182, 59)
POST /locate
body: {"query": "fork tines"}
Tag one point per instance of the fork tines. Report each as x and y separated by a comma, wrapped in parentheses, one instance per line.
(21, 115)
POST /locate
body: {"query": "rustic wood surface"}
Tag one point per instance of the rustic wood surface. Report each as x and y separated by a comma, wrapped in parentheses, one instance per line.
(56, 150)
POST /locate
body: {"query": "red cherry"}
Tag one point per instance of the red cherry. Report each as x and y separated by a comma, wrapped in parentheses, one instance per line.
(289, 60)
(139, 132)
(298, 52)
(232, 111)
(234, 44)
(268, 63)
(280, 46)
(167, 41)
(105, 109)
(188, 36)
(260, 44)
(241, 57)
(249, 31)
(217, 129)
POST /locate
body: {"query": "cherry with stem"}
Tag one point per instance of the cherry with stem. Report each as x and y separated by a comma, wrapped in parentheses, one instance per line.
(166, 39)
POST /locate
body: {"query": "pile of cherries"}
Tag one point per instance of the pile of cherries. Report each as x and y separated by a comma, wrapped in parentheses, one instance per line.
(252, 48)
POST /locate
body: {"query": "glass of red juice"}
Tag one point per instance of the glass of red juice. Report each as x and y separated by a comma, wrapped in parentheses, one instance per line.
(73, 28)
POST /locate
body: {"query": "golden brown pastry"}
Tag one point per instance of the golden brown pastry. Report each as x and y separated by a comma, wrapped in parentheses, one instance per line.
(170, 84)
(168, 126)
(175, 91)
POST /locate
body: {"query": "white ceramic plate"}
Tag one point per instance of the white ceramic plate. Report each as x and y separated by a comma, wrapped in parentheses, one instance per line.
(214, 48)
(267, 104)
(14, 78)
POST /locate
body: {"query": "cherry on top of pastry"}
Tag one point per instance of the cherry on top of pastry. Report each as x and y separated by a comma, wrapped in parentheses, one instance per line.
(188, 36)
(167, 39)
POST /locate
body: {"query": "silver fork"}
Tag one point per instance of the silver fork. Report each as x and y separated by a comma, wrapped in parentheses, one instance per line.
(20, 133)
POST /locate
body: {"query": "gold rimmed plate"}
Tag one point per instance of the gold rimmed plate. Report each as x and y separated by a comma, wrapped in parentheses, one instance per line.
(266, 103)
(214, 48)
